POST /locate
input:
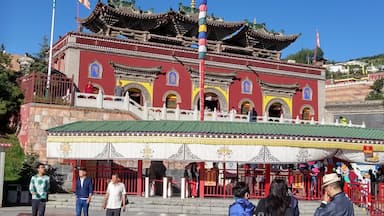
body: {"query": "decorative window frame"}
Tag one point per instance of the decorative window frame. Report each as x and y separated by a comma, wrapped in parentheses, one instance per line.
(307, 87)
(177, 78)
(100, 70)
(171, 92)
(250, 86)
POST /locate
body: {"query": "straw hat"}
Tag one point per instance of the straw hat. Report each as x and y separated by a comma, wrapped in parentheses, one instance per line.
(329, 179)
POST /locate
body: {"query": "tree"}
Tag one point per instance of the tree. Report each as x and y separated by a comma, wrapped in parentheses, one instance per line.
(28, 170)
(40, 63)
(11, 96)
(305, 56)
(377, 92)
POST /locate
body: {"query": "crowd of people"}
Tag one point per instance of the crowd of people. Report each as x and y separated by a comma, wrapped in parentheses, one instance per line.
(280, 202)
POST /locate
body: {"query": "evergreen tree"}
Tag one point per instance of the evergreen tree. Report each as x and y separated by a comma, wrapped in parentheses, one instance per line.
(305, 56)
(40, 63)
(377, 92)
(11, 96)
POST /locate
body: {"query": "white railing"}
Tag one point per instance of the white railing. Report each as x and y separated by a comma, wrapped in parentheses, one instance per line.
(163, 113)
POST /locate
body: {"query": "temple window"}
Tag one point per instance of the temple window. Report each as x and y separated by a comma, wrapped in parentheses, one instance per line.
(172, 78)
(307, 93)
(95, 70)
(246, 87)
(306, 114)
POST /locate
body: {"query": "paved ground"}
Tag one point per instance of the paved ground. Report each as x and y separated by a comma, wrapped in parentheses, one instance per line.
(26, 211)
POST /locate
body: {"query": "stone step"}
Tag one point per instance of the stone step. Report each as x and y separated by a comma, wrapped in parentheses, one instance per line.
(206, 206)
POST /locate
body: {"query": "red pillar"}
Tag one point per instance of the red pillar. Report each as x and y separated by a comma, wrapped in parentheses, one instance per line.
(267, 178)
(139, 177)
(201, 179)
(74, 174)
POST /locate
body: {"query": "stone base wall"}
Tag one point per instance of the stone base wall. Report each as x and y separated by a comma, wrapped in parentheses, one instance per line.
(37, 118)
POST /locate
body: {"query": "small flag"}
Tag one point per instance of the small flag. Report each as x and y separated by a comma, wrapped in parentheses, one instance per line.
(317, 40)
(86, 3)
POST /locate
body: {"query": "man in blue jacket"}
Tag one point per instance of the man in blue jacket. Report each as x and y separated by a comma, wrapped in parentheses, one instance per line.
(84, 191)
(242, 206)
(334, 202)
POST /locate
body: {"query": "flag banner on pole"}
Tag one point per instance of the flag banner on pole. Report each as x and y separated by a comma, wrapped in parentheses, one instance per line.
(203, 29)
(317, 40)
(86, 3)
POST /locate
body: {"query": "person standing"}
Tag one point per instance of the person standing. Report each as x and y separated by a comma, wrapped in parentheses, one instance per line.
(115, 197)
(84, 191)
(278, 202)
(89, 88)
(118, 90)
(242, 206)
(39, 187)
(335, 202)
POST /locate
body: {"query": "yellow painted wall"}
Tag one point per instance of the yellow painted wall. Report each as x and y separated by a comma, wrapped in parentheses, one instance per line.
(268, 98)
(196, 90)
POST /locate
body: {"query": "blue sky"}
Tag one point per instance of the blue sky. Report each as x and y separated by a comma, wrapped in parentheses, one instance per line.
(348, 29)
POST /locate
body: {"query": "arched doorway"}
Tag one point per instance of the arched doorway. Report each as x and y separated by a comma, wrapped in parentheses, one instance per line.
(306, 114)
(213, 99)
(245, 107)
(171, 101)
(275, 110)
(211, 102)
(136, 95)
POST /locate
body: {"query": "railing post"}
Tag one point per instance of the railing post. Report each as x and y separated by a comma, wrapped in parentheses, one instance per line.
(337, 122)
(214, 114)
(146, 189)
(182, 188)
(350, 123)
(297, 121)
(99, 99)
(312, 121)
(281, 120)
(164, 112)
(146, 112)
(177, 112)
(126, 101)
(232, 115)
(363, 125)
(196, 114)
(265, 117)
(165, 187)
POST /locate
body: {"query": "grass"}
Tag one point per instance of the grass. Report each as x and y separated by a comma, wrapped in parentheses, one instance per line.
(14, 157)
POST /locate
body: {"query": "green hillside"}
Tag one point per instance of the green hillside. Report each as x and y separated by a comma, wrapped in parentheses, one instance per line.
(374, 60)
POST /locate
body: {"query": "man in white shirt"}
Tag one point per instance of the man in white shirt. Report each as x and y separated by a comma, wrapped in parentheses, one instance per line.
(115, 197)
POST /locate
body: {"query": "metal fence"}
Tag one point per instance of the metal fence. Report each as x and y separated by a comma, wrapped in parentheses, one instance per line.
(34, 86)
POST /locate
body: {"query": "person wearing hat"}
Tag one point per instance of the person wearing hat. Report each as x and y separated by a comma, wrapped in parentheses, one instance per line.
(335, 202)
(84, 191)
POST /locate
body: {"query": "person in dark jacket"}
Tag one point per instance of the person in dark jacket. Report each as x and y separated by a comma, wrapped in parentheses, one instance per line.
(242, 206)
(278, 202)
(334, 202)
(84, 191)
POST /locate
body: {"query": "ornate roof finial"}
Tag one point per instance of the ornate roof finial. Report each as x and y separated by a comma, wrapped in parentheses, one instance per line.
(193, 4)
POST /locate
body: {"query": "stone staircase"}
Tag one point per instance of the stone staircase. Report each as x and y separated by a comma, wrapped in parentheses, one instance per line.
(206, 206)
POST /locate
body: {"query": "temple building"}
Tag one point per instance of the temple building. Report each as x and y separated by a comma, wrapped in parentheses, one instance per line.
(154, 56)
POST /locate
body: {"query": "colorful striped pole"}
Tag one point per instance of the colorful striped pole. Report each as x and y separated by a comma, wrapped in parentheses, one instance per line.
(202, 51)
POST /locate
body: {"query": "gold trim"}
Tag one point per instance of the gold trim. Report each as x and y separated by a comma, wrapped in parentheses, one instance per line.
(215, 141)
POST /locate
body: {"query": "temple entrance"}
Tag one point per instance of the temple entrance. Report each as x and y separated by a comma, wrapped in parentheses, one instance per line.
(275, 110)
(211, 102)
(306, 114)
(171, 101)
(245, 107)
(136, 95)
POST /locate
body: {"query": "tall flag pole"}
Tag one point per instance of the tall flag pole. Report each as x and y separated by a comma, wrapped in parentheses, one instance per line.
(316, 47)
(202, 51)
(50, 49)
